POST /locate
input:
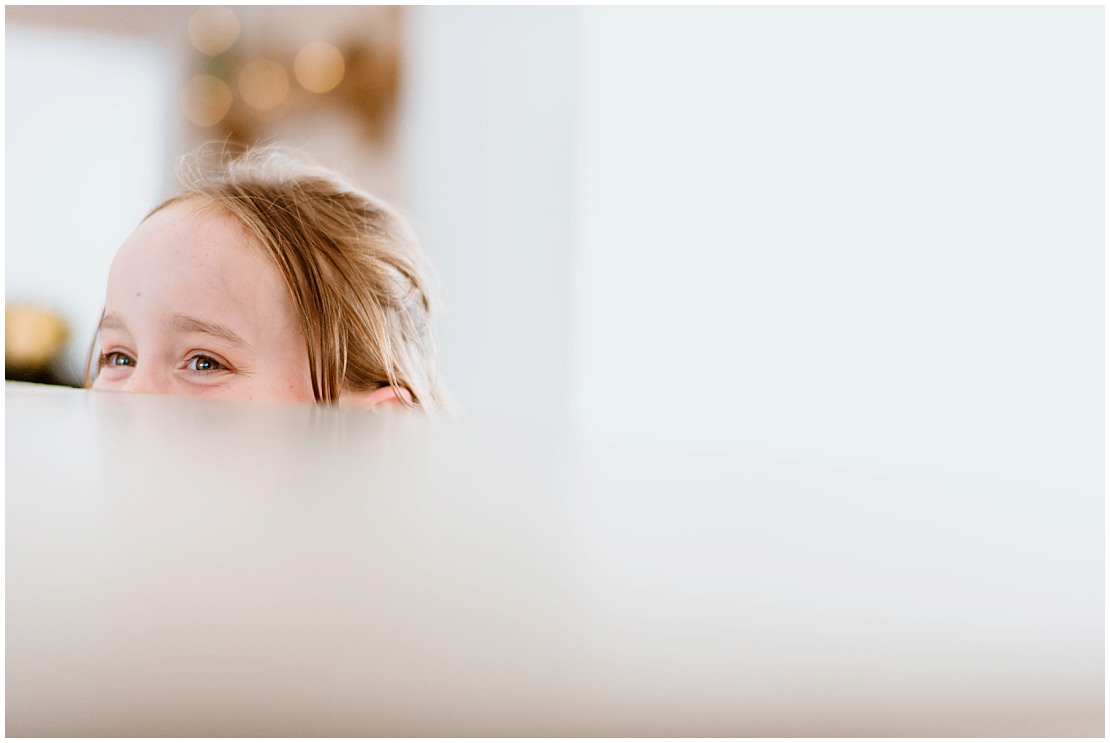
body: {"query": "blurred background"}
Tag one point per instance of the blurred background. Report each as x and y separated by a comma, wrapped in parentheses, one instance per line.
(866, 235)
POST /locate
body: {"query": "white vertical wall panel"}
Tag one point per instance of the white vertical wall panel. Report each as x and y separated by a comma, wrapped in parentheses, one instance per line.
(865, 235)
(89, 124)
(488, 129)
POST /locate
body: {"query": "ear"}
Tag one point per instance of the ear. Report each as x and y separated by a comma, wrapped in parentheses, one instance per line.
(384, 397)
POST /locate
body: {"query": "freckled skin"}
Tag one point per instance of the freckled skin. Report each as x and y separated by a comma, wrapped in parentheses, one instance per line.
(202, 264)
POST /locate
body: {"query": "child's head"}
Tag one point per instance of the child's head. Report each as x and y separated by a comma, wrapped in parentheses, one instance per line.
(270, 279)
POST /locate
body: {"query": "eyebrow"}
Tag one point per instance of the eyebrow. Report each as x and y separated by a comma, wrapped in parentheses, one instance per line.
(187, 324)
(111, 320)
(182, 324)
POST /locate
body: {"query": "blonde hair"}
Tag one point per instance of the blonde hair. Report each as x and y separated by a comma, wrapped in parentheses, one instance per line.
(357, 278)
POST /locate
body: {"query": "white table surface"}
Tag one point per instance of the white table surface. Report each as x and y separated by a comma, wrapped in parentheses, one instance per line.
(188, 567)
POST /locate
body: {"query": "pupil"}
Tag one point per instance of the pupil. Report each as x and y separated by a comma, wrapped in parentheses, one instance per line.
(204, 364)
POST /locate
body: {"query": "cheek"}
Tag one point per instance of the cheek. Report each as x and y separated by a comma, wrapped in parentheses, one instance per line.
(106, 382)
(283, 361)
(294, 379)
(299, 387)
(292, 382)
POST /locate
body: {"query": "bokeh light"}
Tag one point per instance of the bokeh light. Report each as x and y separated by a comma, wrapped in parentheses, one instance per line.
(264, 84)
(205, 100)
(213, 29)
(319, 67)
(33, 336)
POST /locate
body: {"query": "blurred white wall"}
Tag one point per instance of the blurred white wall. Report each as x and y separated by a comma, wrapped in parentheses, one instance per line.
(864, 235)
(487, 129)
(89, 126)
(870, 235)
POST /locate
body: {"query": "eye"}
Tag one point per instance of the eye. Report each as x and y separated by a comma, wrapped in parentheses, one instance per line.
(203, 364)
(116, 358)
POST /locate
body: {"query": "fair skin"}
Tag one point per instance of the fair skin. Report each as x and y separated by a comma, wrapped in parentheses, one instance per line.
(194, 307)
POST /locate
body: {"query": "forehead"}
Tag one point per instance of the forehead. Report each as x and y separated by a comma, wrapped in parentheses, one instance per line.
(195, 252)
(188, 228)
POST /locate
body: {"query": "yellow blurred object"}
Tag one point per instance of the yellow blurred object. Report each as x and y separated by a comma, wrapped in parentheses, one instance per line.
(205, 100)
(34, 336)
(213, 29)
(263, 83)
(319, 67)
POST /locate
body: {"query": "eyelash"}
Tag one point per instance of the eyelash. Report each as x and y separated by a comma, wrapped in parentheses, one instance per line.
(198, 356)
(106, 360)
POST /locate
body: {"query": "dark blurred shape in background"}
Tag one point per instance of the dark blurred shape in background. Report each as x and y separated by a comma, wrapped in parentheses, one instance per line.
(34, 339)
